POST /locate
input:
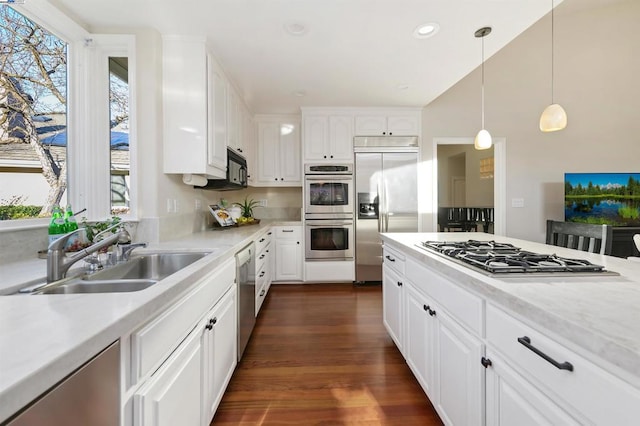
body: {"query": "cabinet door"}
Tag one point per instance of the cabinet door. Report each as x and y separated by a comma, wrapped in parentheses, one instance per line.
(268, 152)
(220, 337)
(288, 260)
(233, 120)
(371, 125)
(511, 400)
(216, 116)
(315, 137)
(341, 137)
(419, 343)
(173, 395)
(392, 302)
(403, 125)
(290, 153)
(460, 380)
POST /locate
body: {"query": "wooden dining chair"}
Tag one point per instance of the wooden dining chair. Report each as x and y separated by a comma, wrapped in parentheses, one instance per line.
(580, 236)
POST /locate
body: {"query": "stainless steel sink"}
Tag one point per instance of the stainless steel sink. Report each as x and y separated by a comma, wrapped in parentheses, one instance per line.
(139, 272)
(96, 286)
(153, 266)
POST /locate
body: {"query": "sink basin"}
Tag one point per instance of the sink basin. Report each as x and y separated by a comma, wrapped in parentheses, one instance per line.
(139, 272)
(153, 266)
(98, 286)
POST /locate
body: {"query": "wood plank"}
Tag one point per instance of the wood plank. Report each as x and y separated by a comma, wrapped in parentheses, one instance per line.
(320, 355)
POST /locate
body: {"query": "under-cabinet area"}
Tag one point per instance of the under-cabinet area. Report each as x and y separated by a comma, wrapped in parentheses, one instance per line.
(483, 358)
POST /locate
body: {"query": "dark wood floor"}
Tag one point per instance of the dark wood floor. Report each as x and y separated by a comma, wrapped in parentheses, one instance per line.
(320, 355)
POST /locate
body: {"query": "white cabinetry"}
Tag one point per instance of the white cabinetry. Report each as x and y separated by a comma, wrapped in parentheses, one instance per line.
(393, 295)
(526, 362)
(278, 159)
(220, 351)
(288, 259)
(181, 361)
(264, 260)
(192, 89)
(328, 138)
(388, 124)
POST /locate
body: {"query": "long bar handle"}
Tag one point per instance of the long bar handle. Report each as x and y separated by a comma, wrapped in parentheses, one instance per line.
(526, 342)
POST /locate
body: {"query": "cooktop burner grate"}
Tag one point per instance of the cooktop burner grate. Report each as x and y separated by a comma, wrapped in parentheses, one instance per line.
(503, 258)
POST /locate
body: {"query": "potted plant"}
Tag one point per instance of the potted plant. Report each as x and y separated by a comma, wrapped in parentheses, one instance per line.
(247, 210)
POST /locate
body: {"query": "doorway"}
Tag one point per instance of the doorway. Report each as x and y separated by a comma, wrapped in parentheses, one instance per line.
(467, 181)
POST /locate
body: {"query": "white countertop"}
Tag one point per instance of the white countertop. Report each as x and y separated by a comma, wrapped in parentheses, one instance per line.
(600, 314)
(43, 338)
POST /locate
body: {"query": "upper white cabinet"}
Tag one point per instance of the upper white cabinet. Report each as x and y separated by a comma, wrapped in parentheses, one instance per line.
(328, 138)
(278, 159)
(191, 93)
(390, 123)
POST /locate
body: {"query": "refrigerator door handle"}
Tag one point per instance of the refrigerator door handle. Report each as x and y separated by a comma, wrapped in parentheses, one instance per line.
(379, 208)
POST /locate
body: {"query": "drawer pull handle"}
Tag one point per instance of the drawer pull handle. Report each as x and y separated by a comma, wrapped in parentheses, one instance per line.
(426, 307)
(432, 312)
(399, 283)
(262, 256)
(261, 274)
(262, 293)
(261, 240)
(390, 259)
(486, 362)
(287, 230)
(526, 342)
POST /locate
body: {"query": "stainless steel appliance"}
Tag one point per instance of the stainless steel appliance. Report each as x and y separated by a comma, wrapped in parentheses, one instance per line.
(506, 260)
(89, 396)
(329, 238)
(386, 182)
(236, 174)
(246, 282)
(328, 189)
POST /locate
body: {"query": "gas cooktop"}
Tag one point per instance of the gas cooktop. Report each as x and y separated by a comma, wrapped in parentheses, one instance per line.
(498, 258)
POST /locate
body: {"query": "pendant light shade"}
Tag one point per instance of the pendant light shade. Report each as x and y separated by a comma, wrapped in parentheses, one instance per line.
(553, 117)
(483, 138)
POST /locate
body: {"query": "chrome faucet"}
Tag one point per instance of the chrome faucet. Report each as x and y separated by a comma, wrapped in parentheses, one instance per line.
(58, 264)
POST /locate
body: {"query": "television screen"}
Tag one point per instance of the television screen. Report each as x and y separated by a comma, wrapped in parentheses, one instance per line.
(611, 198)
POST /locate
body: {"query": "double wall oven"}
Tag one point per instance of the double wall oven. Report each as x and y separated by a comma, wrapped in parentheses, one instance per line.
(328, 194)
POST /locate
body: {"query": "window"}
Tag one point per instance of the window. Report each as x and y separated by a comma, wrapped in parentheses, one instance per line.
(77, 127)
(33, 118)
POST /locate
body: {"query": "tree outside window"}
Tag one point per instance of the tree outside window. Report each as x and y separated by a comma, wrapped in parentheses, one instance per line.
(33, 117)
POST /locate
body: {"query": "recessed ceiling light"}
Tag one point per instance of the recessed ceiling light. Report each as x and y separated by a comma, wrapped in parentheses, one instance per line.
(295, 28)
(426, 30)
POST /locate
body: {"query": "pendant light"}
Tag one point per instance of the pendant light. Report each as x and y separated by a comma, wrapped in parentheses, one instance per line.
(483, 138)
(553, 117)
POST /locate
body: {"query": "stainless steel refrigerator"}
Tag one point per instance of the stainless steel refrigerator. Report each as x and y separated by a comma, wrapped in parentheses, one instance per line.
(386, 186)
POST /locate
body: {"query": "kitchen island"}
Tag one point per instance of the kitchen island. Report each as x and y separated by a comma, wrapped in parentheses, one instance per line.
(458, 326)
(44, 338)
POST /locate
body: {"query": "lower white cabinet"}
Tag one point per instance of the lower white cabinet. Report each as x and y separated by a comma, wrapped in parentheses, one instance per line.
(173, 395)
(220, 351)
(392, 304)
(288, 263)
(511, 400)
(263, 270)
(186, 386)
(445, 358)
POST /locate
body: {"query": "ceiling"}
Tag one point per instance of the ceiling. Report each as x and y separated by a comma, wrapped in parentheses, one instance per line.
(352, 52)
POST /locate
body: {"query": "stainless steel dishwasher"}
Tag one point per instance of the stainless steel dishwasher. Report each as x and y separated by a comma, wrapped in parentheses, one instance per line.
(246, 281)
(89, 396)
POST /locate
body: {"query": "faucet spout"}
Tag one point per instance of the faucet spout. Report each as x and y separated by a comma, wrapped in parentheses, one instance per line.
(58, 264)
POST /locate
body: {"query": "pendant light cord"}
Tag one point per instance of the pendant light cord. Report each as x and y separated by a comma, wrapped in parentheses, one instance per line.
(552, 49)
(482, 82)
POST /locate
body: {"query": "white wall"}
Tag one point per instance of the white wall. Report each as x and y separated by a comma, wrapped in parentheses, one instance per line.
(596, 80)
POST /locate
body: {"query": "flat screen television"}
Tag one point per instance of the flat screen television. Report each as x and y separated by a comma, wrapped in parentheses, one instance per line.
(611, 198)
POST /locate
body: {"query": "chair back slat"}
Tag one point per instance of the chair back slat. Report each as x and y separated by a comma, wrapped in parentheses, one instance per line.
(580, 236)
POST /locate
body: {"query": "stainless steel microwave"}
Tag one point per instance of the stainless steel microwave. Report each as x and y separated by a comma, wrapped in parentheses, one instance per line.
(236, 174)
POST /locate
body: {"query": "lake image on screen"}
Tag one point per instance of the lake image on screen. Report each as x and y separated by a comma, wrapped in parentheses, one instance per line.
(611, 198)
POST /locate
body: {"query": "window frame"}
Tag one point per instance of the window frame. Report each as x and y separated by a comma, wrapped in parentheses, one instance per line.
(88, 174)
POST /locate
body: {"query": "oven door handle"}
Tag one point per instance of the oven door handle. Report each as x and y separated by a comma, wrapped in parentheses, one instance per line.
(324, 224)
(321, 177)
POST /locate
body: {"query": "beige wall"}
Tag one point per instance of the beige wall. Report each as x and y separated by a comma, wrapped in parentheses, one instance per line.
(465, 160)
(597, 82)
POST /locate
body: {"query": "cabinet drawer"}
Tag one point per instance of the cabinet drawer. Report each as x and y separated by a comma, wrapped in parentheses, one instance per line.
(154, 342)
(465, 307)
(262, 258)
(288, 232)
(580, 386)
(263, 241)
(393, 259)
